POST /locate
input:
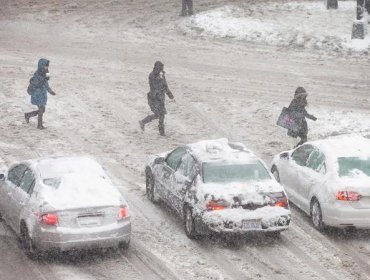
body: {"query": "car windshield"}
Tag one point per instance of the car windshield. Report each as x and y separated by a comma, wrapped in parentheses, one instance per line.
(353, 165)
(220, 172)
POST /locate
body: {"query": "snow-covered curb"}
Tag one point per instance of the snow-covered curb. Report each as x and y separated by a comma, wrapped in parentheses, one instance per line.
(297, 24)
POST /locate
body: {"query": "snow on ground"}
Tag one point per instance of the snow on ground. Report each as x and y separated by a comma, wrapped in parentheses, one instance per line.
(101, 53)
(287, 24)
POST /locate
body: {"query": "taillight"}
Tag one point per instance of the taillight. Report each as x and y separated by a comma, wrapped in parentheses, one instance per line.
(282, 202)
(49, 219)
(348, 196)
(122, 213)
(217, 205)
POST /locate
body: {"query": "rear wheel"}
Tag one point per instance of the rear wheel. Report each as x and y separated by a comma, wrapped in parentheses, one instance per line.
(276, 174)
(27, 243)
(189, 223)
(124, 245)
(316, 215)
(273, 234)
(150, 187)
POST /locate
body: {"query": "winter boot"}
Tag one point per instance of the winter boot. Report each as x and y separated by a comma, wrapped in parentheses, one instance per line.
(142, 125)
(27, 117)
(39, 122)
(161, 132)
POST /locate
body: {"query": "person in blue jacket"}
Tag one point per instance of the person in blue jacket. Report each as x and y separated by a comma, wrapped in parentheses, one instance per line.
(38, 89)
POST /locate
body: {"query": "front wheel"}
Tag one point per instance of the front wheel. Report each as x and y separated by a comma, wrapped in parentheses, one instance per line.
(316, 215)
(27, 244)
(150, 188)
(189, 223)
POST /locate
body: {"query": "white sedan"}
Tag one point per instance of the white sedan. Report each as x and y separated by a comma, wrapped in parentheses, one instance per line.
(63, 203)
(329, 180)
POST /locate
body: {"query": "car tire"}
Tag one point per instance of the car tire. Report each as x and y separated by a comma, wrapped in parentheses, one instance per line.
(150, 187)
(124, 245)
(189, 224)
(273, 234)
(316, 215)
(27, 244)
(276, 174)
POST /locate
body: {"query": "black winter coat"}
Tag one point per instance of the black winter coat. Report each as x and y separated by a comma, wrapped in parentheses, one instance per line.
(299, 114)
(156, 95)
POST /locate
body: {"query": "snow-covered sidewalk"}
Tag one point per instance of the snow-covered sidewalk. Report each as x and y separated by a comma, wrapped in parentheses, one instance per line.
(306, 24)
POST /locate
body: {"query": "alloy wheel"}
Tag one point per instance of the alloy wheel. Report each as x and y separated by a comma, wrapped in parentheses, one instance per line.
(316, 215)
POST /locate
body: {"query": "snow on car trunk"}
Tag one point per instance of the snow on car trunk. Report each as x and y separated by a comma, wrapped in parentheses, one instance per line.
(80, 191)
(245, 201)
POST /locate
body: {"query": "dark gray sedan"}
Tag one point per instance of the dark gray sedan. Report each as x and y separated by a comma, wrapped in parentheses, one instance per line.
(218, 187)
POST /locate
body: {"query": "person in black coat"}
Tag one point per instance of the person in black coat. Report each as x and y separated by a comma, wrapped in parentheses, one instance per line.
(156, 97)
(187, 8)
(299, 114)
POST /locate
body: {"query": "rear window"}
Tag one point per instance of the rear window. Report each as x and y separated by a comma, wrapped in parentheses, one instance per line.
(219, 172)
(353, 165)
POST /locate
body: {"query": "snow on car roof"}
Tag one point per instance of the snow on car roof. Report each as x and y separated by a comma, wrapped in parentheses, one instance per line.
(55, 167)
(344, 146)
(221, 149)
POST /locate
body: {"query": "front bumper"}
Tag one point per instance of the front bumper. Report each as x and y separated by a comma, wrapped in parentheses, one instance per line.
(64, 239)
(235, 221)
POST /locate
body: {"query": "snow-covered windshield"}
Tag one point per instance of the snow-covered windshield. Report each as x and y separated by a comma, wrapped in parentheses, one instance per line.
(220, 172)
(353, 165)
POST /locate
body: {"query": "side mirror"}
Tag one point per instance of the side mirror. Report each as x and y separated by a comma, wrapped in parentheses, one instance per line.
(159, 160)
(284, 155)
(2, 177)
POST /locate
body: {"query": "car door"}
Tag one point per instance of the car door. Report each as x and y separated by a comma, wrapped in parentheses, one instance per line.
(165, 175)
(12, 182)
(184, 176)
(316, 171)
(296, 175)
(21, 196)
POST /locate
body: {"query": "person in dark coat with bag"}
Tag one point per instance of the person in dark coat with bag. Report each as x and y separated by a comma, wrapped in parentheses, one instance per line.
(156, 97)
(38, 89)
(299, 114)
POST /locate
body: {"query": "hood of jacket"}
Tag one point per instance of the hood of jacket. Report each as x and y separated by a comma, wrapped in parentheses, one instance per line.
(41, 66)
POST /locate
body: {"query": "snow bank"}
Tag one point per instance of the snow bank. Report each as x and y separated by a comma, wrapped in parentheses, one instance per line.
(296, 24)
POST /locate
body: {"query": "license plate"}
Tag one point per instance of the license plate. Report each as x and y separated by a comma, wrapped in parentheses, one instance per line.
(251, 224)
(89, 221)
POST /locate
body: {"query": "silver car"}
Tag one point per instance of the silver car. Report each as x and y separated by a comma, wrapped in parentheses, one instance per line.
(63, 203)
(329, 179)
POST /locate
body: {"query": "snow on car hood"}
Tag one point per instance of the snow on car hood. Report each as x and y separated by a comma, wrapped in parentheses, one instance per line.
(240, 192)
(81, 190)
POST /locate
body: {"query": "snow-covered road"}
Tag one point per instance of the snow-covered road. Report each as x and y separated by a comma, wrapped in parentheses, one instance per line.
(101, 53)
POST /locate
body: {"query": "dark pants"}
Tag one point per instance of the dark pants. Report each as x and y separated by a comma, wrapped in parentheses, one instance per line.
(187, 7)
(159, 116)
(39, 113)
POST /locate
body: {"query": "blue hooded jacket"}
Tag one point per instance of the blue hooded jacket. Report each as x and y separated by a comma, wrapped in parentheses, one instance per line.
(40, 85)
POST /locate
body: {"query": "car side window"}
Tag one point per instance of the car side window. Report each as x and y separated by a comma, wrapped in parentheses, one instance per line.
(174, 157)
(188, 167)
(15, 174)
(301, 154)
(27, 182)
(316, 161)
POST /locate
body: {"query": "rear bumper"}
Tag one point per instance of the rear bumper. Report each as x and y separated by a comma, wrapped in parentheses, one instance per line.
(212, 223)
(65, 239)
(343, 216)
